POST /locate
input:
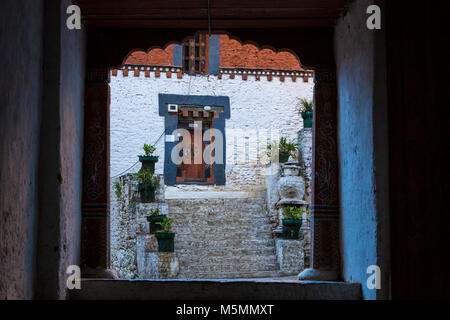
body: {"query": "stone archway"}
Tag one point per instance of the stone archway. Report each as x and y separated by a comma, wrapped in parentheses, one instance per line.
(106, 49)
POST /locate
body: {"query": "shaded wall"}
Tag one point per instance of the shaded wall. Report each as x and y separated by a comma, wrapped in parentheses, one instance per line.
(41, 141)
(418, 87)
(20, 104)
(362, 145)
(61, 152)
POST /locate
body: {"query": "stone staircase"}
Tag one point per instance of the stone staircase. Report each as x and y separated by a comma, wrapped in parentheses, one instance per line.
(223, 238)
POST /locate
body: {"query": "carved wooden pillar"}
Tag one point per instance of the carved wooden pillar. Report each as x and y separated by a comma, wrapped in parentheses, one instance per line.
(325, 257)
(95, 248)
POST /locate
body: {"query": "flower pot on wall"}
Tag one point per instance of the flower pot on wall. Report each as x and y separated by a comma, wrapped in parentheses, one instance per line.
(148, 162)
(307, 119)
(291, 228)
(165, 241)
(147, 192)
(153, 220)
(283, 157)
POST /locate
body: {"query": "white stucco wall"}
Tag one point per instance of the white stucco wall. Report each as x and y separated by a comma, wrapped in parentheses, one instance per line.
(255, 105)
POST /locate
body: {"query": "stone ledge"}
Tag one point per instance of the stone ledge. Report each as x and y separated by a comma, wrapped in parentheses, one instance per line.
(175, 194)
(248, 289)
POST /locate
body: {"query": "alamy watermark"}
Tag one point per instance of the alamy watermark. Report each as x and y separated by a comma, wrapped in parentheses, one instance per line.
(74, 279)
(243, 146)
(374, 279)
(74, 20)
(374, 20)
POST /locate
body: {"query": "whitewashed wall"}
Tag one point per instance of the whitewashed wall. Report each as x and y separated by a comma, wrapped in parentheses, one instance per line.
(255, 105)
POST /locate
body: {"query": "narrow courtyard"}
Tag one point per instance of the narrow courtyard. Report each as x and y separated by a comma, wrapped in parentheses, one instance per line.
(244, 106)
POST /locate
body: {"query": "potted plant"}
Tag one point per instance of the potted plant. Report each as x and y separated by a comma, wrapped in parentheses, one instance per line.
(148, 160)
(153, 219)
(306, 109)
(285, 149)
(117, 189)
(147, 185)
(292, 221)
(165, 236)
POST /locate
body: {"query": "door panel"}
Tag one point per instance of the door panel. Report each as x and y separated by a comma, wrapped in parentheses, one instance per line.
(189, 171)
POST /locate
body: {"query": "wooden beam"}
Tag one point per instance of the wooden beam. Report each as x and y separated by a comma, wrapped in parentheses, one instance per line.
(216, 24)
(174, 4)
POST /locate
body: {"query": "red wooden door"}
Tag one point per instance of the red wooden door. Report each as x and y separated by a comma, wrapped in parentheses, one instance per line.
(191, 169)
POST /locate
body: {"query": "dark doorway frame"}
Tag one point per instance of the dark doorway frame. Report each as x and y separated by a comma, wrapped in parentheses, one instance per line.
(107, 49)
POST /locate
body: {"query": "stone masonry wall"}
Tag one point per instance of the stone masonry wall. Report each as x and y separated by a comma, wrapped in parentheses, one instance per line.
(129, 225)
(293, 255)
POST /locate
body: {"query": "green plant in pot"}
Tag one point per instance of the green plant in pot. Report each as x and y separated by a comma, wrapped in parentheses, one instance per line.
(117, 189)
(306, 110)
(153, 218)
(165, 236)
(285, 149)
(147, 185)
(292, 221)
(148, 160)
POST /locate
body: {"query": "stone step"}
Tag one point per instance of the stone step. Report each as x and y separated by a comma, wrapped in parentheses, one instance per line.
(247, 261)
(262, 251)
(218, 231)
(207, 201)
(230, 275)
(222, 268)
(223, 238)
(227, 235)
(276, 289)
(213, 224)
(202, 209)
(243, 216)
(248, 214)
(227, 252)
(225, 243)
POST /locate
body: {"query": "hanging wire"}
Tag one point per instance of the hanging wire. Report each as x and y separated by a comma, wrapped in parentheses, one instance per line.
(118, 175)
(125, 170)
(209, 18)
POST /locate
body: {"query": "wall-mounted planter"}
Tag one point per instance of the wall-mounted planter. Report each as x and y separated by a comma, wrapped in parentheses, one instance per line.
(147, 192)
(307, 119)
(165, 241)
(153, 220)
(283, 157)
(291, 228)
(148, 162)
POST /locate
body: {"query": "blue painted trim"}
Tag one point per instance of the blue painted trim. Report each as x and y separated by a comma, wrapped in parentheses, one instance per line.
(219, 101)
(219, 169)
(171, 122)
(214, 54)
(170, 168)
(178, 55)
